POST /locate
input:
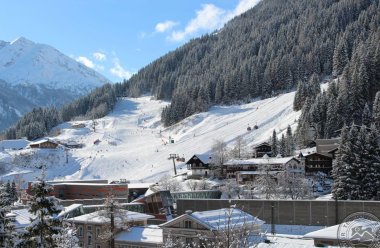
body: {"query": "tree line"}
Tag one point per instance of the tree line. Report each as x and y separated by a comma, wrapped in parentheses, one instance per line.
(271, 48)
(40, 121)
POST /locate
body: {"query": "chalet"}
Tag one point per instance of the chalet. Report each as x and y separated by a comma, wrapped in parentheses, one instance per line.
(44, 144)
(326, 145)
(194, 228)
(199, 164)
(315, 163)
(262, 149)
(250, 169)
(91, 226)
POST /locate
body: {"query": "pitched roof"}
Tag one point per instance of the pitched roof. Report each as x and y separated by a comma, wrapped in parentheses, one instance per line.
(98, 217)
(259, 161)
(205, 158)
(149, 234)
(220, 219)
(331, 232)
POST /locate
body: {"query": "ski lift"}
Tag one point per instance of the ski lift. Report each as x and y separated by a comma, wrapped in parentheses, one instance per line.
(256, 126)
(249, 128)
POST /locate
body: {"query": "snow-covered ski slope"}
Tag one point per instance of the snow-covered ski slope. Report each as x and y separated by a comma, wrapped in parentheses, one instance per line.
(131, 143)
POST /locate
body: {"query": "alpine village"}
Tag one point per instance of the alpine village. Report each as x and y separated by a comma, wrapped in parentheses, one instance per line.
(246, 123)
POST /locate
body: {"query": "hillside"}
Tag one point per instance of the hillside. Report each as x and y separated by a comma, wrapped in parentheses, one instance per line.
(35, 75)
(131, 143)
(268, 49)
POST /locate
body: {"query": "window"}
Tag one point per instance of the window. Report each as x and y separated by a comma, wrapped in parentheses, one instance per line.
(97, 231)
(89, 240)
(80, 244)
(187, 224)
(97, 246)
(89, 228)
(80, 231)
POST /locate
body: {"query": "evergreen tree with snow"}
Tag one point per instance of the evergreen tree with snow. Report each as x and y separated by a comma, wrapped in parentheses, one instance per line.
(341, 163)
(371, 160)
(283, 146)
(14, 193)
(5, 197)
(275, 148)
(290, 144)
(376, 110)
(40, 232)
(7, 229)
(366, 116)
(66, 238)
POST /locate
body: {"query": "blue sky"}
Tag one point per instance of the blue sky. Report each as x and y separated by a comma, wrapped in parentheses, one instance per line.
(115, 37)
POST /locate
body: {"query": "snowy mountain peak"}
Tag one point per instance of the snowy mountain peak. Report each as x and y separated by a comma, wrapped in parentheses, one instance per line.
(36, 75)
(22, 41)
(23, 61)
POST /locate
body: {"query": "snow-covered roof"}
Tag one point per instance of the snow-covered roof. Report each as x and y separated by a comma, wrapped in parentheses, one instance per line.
(139, 185)
(13, 144)
(307, 151)
(21, 217)
(205, 158)
(219, 219)
(331, 232)
(259, 161)
(257, 172)
(40, 141)
(98, 217)
(68, 209)
(149, 234)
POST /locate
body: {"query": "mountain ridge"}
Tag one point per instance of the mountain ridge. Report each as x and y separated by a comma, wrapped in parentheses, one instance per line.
(38, 75)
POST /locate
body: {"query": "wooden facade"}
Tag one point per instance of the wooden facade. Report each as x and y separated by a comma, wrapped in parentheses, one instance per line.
(46, 144)
(317, 162)
(262, 149)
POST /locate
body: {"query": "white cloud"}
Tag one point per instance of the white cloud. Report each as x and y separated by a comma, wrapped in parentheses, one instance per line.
(242, 7)
(86, 61)
(209, 18)
(118, 71)
(165, 26)
(99, 56)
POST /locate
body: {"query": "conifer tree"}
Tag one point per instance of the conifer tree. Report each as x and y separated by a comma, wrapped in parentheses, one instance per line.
(5, 197)
(275, 148)
(283, 146)
(40, 233)
(290, 144)
(376, 110)
(339, 172)
(366, 116)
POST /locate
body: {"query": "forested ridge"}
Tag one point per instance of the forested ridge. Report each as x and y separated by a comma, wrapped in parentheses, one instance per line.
(270, 48)
(40, 121)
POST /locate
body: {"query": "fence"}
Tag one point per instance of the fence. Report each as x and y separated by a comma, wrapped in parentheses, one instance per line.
(287, 212)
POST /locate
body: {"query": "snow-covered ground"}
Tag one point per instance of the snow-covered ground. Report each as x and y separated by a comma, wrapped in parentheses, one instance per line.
(131, 143)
